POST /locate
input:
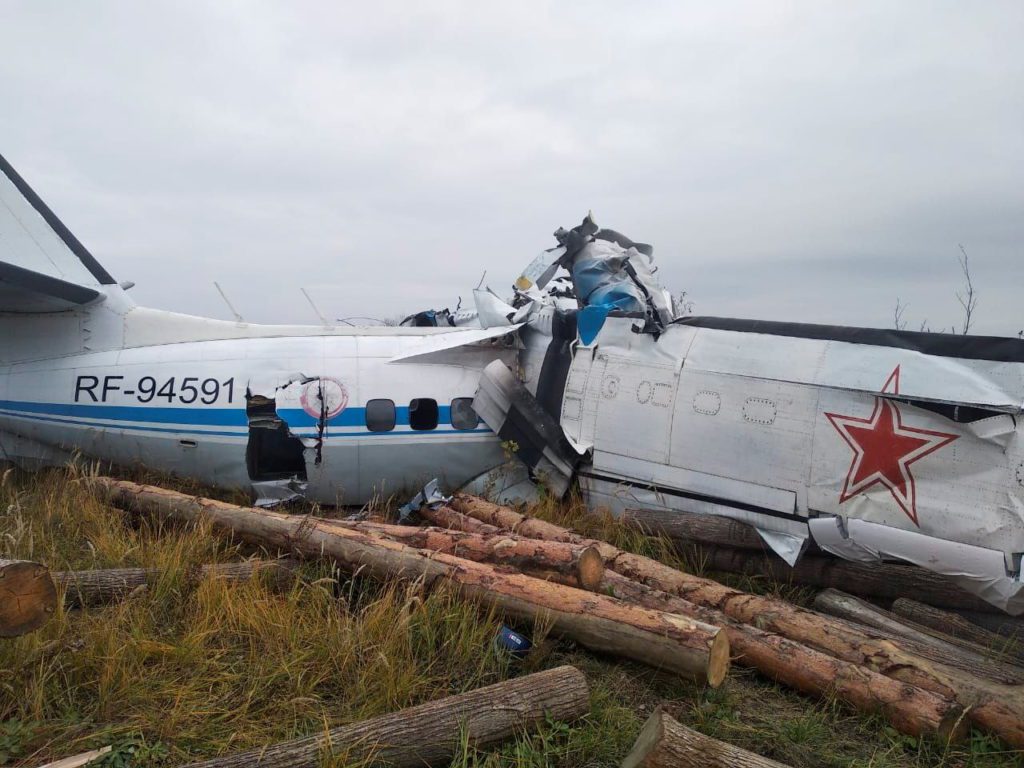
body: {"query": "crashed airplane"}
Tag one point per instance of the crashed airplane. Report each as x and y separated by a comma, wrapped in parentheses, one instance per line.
(875, 444)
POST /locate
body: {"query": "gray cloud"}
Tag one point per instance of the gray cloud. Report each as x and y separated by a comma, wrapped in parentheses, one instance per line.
(808, 161)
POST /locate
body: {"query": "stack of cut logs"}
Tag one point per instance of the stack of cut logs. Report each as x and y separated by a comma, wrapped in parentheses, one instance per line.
(895, 664)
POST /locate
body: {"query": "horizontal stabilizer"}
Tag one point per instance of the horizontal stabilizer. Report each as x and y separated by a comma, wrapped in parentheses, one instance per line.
(22, 290)
(43, 267)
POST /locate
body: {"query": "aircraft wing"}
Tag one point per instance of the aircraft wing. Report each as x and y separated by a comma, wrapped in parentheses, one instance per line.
(43, 267)
(422, 349)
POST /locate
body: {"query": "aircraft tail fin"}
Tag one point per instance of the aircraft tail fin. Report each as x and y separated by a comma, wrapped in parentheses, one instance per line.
(43, 267)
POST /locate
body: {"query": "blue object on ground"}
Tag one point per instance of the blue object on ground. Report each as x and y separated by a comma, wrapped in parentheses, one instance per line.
(513, 642)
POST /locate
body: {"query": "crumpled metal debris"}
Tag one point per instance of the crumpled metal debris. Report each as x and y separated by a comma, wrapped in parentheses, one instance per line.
(428, 496)
(611, 273)
(271, 493)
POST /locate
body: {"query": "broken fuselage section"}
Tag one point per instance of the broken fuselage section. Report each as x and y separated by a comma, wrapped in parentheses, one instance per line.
(874, 444)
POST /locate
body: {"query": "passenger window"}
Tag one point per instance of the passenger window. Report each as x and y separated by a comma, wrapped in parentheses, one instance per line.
(423, 414)
(380, 415)
(463, 415)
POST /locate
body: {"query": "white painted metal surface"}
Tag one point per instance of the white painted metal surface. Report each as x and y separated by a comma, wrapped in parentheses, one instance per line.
(879, 445)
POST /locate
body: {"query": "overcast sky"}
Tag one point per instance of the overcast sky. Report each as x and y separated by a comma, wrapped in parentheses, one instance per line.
(810, 161)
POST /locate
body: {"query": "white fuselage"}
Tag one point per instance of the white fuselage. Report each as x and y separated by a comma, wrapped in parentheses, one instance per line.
(858, 445)
(181, 406)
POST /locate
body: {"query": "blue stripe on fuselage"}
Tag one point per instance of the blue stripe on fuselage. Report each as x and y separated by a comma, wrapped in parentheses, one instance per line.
(216, 417)
(182, 419)
(180, 429)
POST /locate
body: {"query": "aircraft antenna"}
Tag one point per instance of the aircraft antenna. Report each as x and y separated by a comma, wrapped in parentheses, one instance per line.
(316, 309)
(224, 296)
(348, 320)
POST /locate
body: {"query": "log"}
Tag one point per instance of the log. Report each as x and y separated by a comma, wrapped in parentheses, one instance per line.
(1000, 623)
(917, 639)
(99, 587)
(679, 644)
(507, 519)
(445, 516)
(955, 626)
(691, 527)
(430, 734)
(583, 563)
(665, 743)
(908, 709)
(991, 706)
(883, 581)
(28, 597)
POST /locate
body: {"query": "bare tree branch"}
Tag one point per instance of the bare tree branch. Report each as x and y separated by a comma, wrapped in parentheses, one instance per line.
(967, 299)
(897, 316)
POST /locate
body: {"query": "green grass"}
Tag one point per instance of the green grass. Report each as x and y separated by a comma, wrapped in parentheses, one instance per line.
(183, 671)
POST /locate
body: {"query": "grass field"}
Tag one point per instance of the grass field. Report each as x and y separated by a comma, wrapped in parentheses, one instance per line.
(183, 671)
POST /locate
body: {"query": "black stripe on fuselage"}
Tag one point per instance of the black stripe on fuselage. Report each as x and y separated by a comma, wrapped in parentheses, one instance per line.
(680, 493)
(995, 348)
(57, 225)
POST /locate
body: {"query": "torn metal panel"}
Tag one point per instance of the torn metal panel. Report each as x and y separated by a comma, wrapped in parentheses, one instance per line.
(983, 572)
(611, 274)
(540, 271)
(430, 318)
(275, 458)
(787, 546)
(428, 496)
(517, 418)
(491, 311)
(600, 277)
(933, 476)
(830, 534)
(509, 483)
(270, 493)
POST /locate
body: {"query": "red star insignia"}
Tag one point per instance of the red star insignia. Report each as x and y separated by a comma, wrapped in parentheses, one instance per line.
(884, 448)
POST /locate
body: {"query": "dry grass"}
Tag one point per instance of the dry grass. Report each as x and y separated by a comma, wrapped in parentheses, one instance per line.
(185, 670)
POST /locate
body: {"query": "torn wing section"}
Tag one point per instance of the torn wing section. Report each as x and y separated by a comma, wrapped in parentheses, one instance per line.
(508, 408)
(421, 348)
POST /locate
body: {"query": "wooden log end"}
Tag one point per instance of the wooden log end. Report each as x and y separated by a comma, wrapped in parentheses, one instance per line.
(718, 659)
(28, 597)
(665, 743)
(590, 569)
(651, 735)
